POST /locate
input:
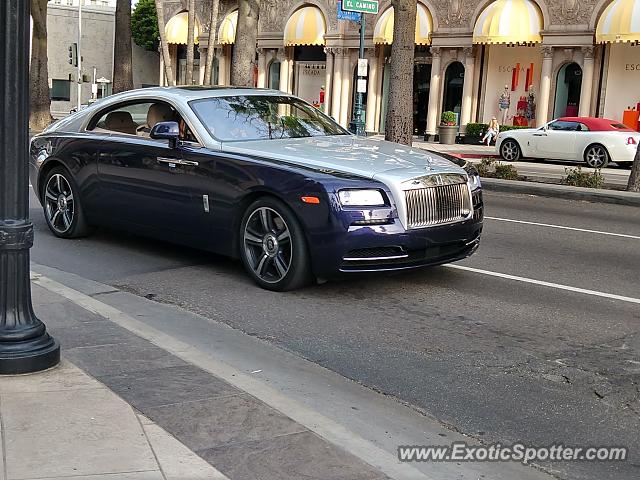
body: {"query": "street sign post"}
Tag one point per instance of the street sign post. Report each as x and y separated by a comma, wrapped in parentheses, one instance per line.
(368, 7)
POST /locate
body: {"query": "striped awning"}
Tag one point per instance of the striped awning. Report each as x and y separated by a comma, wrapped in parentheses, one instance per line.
(509, 21)
(227, 30)
(620, 22)
(383, 31)
(305, 27)
(177, 28)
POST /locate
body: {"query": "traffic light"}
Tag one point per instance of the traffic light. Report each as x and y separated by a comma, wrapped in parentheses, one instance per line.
(73, 54)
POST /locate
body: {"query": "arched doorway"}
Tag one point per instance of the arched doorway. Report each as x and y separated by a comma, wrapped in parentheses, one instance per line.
(421, 87)
(274, 75)
(568, 86)
(453, 83)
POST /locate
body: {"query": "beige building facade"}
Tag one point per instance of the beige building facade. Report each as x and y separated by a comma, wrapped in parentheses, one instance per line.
(522, 61)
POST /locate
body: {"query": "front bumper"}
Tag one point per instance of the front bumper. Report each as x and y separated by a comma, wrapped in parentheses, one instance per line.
(391, 247)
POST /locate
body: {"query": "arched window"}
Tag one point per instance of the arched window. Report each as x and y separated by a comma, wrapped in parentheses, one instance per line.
(274, 75)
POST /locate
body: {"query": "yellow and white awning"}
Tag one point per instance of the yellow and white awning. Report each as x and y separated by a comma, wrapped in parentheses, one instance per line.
(177, 28)
(509, 21)
(227, 30)
(620, 22)
(383, 31)
(305, 27)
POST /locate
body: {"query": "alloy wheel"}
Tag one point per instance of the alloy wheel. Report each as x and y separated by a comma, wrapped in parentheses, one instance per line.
(509, 150)
(596, 156)
(268, 246)
(59, 203)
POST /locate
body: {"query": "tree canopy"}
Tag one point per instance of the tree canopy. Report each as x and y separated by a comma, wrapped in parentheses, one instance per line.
(144, 25)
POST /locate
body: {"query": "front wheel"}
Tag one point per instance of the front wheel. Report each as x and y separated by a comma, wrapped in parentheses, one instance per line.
(62, 206)
(274, 250)
(596, 156)
(510, 150)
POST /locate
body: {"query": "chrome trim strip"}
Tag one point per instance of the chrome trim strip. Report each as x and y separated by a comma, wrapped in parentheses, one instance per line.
(368, 259)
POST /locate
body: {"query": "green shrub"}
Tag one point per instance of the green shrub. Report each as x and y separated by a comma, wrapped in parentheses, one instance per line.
(577, 178)
(448, 118)
(505, 172)
(476, 129)
(485, 167)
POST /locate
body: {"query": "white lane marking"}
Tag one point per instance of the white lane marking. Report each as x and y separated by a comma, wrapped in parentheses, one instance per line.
(623, 235)
(547, 284)
(325, 427)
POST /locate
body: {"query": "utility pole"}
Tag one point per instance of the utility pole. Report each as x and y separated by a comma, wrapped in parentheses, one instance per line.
(80, 54)
(25, 345)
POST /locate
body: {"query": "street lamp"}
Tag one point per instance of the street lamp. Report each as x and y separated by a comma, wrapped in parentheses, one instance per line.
(25, 345)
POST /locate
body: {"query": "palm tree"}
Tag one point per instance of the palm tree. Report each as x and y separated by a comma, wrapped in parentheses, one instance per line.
(208, 68)
(190, 41)
(634, 178)
(122, 55)
(164, 46)
(39, 95)
(244, 52)
(399, 121)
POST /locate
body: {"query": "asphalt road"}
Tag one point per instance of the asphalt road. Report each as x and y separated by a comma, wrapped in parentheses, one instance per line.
(491, 352)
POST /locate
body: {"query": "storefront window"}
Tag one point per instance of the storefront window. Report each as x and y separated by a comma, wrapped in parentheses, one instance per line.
(453, 83)
(421, 84)
(274, 75)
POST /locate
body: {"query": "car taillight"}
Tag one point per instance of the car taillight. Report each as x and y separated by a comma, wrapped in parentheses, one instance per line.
(631, 141)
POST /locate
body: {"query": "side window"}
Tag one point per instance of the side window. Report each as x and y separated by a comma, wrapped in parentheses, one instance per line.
(582, 127)
(563, 126)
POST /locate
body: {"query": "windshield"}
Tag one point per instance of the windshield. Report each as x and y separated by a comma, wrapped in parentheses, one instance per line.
(262, 117)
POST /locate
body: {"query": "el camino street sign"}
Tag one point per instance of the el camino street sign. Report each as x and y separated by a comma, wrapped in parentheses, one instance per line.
(362, 6)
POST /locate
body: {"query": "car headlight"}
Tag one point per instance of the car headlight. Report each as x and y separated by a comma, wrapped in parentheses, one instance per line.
(474, 181)
(361, 198)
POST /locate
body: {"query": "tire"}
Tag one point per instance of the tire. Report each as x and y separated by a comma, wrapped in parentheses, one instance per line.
(510, 150)
(596, 156)
(62, 205)
(273, 247)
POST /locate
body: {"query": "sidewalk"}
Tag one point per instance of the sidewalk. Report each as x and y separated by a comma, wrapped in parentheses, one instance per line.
(150, 391)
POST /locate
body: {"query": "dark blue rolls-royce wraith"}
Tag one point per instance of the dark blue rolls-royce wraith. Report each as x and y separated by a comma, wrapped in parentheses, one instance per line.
(255, 174)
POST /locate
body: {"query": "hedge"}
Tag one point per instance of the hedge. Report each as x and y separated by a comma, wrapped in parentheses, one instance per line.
(479, 129)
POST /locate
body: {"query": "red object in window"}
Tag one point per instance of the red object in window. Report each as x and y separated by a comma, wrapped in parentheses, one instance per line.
(515, 77)
(322, 96)
(519, 121)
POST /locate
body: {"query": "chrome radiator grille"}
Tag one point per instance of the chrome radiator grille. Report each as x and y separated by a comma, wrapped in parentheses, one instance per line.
(437, 205)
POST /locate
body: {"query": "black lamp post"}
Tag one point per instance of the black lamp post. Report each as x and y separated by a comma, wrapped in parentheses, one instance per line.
(25, 345)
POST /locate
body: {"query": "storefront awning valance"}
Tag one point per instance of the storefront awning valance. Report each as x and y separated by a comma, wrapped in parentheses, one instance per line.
(227, 30)
(177, 28)
(509, 21)
(620, 22)
(305, 27)
(383, 31)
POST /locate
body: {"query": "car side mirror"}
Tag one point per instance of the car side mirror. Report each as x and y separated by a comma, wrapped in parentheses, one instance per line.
(166, 131)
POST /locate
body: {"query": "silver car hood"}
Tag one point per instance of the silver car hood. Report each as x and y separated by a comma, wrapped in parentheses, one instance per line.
(366, 157)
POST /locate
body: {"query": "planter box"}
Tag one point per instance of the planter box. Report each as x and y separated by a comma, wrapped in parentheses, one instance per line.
(448, 134)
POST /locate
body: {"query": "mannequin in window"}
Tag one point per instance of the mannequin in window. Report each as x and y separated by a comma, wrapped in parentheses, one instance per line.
(504, 103)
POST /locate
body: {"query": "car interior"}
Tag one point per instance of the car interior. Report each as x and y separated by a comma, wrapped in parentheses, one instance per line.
(139, 119)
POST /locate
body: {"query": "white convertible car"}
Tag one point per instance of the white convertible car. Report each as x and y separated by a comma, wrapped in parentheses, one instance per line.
(596, 141)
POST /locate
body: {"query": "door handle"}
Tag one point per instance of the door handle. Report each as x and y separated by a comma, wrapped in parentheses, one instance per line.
(539, 134)
(176, 161)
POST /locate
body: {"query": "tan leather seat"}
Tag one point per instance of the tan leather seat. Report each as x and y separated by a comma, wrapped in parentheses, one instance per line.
(159, 112)
(121, 122)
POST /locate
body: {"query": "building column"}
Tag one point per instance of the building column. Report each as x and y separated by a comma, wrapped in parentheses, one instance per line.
(378, 86)
(434, 93)
(284, 70)
(203, 64)
(162, 82)
(542, 113)
(372, 92)
(262, 68)
(587, 82)
(345, 93)
(328, 79)
(336, 92)
(222, 66)
(467, 88)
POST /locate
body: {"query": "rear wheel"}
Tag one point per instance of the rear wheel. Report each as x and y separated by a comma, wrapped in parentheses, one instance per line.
(596, 156)
(62, 207)
(510, 150)
(274, 249)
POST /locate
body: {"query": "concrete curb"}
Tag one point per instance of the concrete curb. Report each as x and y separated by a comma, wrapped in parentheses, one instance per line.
(562, 191)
